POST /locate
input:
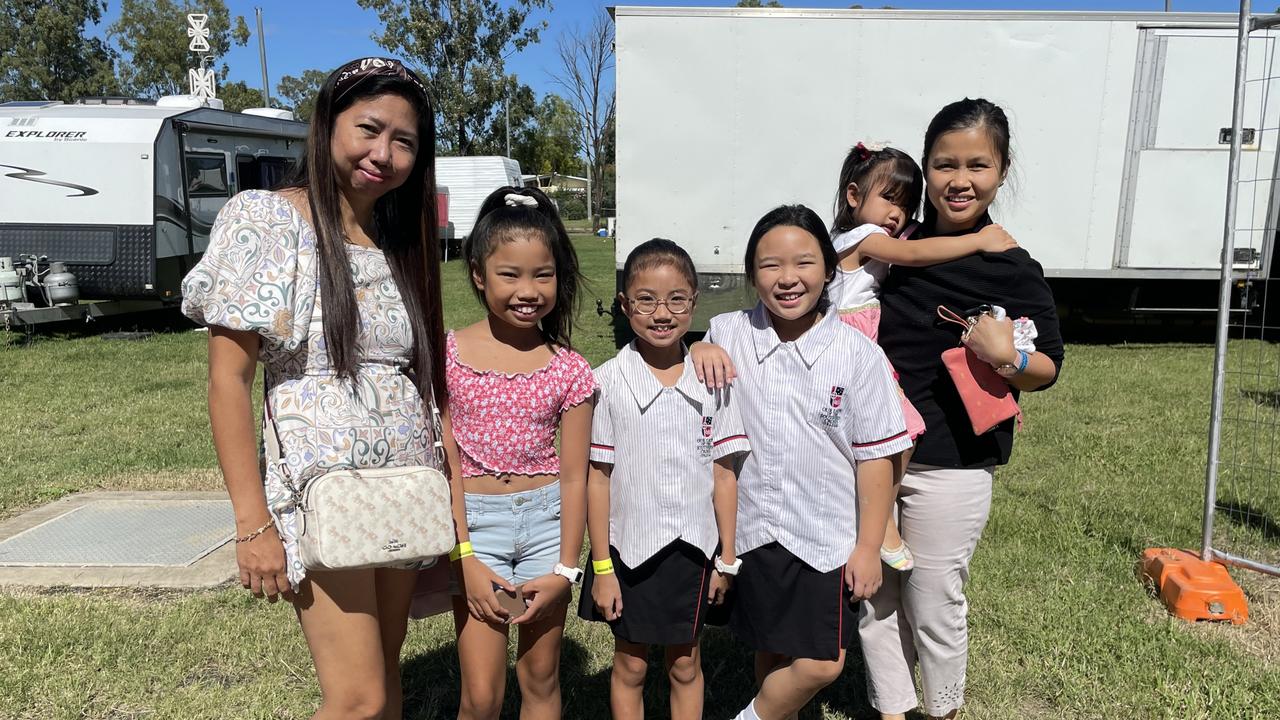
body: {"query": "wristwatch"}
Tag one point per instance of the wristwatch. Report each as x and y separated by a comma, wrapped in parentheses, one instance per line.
(573, 575)
(728, 568)
(1009, 370)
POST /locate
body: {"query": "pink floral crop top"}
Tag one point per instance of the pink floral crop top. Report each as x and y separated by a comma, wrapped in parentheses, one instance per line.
(506, 424)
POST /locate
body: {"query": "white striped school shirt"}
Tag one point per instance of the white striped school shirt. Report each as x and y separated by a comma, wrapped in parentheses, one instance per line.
(813, 409)
(661, 442)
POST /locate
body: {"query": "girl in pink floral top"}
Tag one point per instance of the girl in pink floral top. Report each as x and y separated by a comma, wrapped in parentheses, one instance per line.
(512, 382)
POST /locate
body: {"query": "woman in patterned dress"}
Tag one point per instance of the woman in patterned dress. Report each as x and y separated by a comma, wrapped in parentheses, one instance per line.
(333, 284)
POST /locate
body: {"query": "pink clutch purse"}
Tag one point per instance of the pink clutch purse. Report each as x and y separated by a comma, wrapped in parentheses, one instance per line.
(986, 396)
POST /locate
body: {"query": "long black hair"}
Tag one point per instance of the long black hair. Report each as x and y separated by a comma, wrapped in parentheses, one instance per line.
(888, 170)
(404, 218)
(967, 114)
(500, 221)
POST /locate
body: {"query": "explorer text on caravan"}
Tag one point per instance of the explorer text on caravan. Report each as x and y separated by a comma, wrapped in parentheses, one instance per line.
(47, 134)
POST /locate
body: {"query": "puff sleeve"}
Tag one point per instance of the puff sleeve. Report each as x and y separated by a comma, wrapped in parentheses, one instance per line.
(258, 273)
(580, 382)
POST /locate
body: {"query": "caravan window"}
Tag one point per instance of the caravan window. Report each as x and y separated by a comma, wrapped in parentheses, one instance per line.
(262, 172)
(207, 176)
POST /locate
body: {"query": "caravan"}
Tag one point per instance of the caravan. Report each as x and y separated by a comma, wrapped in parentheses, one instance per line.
(123, 193)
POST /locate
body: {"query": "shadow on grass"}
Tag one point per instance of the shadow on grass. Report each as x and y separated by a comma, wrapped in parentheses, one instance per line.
(431, 684)
(1266, 398)
(134, 326)
(1246, 515)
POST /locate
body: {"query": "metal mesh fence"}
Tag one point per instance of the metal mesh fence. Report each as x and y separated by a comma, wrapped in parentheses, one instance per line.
(1243, 484)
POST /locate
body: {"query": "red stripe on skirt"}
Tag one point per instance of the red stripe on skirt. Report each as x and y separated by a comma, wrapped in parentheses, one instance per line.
(697, 602)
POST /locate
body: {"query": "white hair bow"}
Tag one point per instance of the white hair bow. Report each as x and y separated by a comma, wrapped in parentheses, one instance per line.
(515, 199)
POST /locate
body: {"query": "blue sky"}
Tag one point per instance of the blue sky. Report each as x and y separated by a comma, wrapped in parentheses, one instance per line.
(301, 37)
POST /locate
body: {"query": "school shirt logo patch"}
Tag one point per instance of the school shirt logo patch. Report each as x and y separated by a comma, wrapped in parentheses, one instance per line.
(705, 442)
(830, 416)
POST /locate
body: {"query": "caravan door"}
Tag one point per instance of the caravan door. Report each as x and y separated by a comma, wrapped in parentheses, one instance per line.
(1173, 207)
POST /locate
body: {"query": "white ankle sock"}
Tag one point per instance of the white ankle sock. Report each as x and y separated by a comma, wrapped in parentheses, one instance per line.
(748, 713)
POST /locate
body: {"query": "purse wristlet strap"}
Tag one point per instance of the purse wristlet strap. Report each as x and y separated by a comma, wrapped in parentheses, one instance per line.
(952, 316)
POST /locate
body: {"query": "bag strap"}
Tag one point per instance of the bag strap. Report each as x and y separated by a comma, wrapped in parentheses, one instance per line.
(273, 452)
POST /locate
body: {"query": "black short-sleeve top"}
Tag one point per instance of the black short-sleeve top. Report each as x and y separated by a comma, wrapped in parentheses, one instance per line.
(914, 340)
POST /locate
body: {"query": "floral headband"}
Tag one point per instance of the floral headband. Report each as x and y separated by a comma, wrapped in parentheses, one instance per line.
(357, 71)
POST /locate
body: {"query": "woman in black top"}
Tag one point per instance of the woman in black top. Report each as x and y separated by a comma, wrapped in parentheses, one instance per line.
(921, 616)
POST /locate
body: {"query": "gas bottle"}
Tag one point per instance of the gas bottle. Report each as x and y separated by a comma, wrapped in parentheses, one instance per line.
(10, 283)
(61, 285)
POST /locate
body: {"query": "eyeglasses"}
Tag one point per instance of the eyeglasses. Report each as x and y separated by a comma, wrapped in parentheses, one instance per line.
(649, 306)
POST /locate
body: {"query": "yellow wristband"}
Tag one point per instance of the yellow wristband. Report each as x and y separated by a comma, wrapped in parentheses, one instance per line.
(603, 567)
(461, 550)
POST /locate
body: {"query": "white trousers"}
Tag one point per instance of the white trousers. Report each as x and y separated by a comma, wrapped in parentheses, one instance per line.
(922, 615)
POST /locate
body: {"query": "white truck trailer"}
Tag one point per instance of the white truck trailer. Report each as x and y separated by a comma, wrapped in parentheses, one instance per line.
(124, 194)
(1120, 125)
(470, 180)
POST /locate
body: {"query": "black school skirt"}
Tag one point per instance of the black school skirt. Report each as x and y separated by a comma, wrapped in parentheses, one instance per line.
(664, 600)
(782, 605)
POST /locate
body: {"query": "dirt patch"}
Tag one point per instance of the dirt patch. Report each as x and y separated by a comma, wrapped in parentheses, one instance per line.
(1260, 636)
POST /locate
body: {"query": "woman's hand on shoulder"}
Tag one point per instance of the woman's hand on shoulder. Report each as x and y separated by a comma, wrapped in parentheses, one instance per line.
(995, 239)
(543, 594)
(712, 364)
(477, 587)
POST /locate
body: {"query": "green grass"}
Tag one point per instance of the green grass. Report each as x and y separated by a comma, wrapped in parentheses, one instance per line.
(1110, 462)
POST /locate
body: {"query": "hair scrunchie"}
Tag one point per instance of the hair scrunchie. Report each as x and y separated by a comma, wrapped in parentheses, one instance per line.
(518, 200)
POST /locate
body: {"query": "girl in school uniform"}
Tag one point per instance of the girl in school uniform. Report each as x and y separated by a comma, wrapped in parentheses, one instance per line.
(513, 382)
(823, 412)
(662, 488)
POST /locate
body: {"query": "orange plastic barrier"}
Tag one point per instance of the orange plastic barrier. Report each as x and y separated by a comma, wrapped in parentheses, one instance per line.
(1193, 589)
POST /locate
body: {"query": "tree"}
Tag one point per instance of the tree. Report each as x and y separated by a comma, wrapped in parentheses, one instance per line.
(151, 33)
(586, 61)
(300, 92)
(461, 47)
(557, 131)
(757, 3)
(237, 96)
(44, 54)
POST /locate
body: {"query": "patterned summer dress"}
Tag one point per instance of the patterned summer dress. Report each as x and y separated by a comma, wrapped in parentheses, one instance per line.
(259, 274)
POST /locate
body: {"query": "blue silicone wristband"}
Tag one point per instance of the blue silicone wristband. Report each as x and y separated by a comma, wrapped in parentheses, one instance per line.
(1023, 359)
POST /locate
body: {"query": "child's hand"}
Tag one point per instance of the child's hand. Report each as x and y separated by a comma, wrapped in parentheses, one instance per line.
(607, 595)
(543, 594)
(711, 364)
(994, 238)
(862, 573)
(477, 587)
(720, 585)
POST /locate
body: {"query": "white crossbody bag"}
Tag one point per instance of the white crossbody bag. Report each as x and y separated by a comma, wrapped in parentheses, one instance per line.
(374, 517)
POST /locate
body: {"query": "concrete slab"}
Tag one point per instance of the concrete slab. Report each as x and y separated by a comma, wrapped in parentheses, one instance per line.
(210, 570)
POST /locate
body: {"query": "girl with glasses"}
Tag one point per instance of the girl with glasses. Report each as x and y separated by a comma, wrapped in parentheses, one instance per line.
(658, 510)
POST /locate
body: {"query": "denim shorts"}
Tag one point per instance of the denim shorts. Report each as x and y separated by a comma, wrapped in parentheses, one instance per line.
(516, 535)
